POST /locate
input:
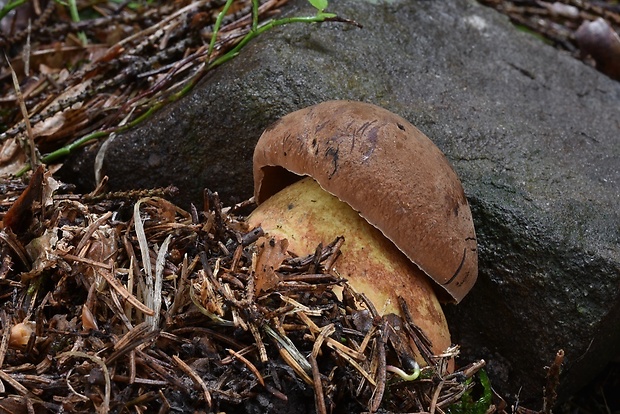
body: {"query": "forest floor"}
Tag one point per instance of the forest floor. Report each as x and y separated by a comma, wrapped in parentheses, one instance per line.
(84, 328)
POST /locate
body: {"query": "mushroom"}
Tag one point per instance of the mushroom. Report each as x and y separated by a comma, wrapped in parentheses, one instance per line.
(374, 178)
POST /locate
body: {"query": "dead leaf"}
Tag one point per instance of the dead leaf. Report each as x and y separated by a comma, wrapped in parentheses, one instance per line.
(12, 157)
(42, 253)
(18, 218)
(102, 248)
(271, 253)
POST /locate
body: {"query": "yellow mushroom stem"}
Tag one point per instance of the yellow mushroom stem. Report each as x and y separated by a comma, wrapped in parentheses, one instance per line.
(307, 215)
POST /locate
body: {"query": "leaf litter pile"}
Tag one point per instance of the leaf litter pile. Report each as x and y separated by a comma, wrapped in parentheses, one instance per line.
(79, 81)
(127, 303)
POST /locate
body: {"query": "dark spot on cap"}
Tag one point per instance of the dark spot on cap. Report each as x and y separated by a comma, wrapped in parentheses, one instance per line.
(333, 154)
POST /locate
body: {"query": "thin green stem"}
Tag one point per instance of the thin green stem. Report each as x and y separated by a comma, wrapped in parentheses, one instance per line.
(319, 17)
(6, 9)
(75, 17)
(67, 149)
(73, 10)
(217, 25)
(255, 4)
(406, 377)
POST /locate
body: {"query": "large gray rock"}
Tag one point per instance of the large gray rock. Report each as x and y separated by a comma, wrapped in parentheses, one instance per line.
(533, 133)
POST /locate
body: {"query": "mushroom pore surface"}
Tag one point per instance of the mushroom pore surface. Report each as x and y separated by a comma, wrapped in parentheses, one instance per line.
(306, 215)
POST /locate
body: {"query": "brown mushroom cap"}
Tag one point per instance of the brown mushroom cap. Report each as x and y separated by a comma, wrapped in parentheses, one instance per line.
(388, 171)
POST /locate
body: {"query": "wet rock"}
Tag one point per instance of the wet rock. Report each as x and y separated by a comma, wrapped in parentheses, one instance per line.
(532, 133)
